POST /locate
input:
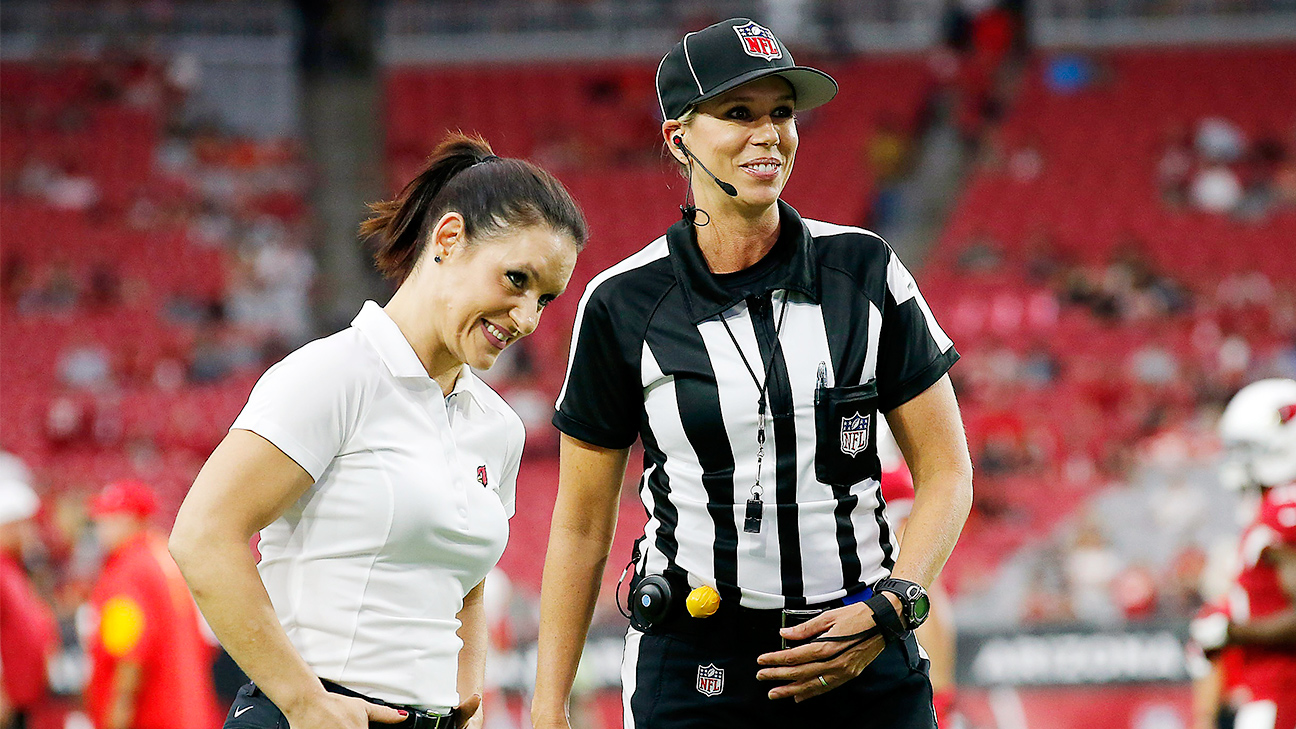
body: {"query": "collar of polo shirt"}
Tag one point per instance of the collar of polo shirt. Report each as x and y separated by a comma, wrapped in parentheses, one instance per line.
(396, 352)
(705, 296)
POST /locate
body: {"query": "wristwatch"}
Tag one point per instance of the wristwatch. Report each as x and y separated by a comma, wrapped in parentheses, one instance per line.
(915, 606)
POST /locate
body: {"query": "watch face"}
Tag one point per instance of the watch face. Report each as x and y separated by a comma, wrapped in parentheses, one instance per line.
(921, 608)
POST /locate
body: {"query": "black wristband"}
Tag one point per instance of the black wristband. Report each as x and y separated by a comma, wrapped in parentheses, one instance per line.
(886, 618)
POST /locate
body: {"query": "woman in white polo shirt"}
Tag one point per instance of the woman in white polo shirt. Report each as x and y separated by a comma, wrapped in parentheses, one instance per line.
(379, 471)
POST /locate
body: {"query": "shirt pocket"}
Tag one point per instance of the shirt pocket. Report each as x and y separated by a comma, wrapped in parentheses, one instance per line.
(845, 434)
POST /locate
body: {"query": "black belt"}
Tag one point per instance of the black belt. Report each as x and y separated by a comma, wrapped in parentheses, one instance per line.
(418, 718)
(734, 617)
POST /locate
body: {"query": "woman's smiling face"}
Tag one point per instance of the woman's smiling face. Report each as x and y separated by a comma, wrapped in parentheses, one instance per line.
(747, 136)
(492, 293)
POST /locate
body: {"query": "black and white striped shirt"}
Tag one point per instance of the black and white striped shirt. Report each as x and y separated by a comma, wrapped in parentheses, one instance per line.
(651, 359)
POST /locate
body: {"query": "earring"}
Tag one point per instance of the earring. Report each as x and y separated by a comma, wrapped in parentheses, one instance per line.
(436, 259)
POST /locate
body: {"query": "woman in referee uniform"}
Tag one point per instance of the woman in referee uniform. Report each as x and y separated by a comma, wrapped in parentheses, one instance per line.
(751, 350)
(379, 471)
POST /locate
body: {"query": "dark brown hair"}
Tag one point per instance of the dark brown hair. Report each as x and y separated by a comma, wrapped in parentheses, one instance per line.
(491, 193)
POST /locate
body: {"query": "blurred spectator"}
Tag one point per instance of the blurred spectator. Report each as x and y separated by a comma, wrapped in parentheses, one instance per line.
(1181, 594)
(1003, 449)
(1216, 189)
(1242, 290)
(67, 422)
(150, 665)
(28, 630)
(1259, 167)
(1284, 177)
(59, 292)
(271, 289)
(1175, 168)
(1069, 73)
(69, 189)
(207, 360)
(1039, 368)
(887, 154)
(1091, 563)
(1134, 591)
(15, 278)
(104, 291)
(984, 254)
(1043, 262)
(85, 364)
(1026, 162)
(1178, 510)
(1046, 600)
(36, 177)
(1154, 364)
(1219, 141)
(1234, 358)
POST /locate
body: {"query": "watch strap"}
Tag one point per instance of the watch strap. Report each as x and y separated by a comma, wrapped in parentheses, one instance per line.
(886, 618)
(909, 593)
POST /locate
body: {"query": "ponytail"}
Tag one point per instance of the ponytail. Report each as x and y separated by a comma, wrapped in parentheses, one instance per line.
(399, 223)
(464, 176)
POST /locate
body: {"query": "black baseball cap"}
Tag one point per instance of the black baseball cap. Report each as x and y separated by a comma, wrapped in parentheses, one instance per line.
(726, 55)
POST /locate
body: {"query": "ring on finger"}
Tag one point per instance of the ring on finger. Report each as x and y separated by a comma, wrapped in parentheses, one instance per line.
(823, 682)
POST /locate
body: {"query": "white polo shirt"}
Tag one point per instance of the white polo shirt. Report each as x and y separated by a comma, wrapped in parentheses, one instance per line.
(409, 510)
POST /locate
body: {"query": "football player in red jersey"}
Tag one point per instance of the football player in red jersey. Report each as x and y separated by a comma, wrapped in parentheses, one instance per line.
(1258, 616)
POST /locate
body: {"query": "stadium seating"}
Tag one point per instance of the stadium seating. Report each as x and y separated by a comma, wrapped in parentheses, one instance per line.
(83, 118)
(1096, 192)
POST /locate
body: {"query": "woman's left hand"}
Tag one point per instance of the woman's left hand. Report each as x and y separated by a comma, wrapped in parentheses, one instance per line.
(803, 666)
(464, 713)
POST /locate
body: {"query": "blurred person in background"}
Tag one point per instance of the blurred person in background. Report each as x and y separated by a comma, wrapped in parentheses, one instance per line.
(1251, 635)
(28, 630)
(379, 470)
(768, 590)
(150, 661)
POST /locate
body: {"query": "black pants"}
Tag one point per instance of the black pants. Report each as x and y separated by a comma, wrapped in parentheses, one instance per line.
(706, 679)
(252, 709)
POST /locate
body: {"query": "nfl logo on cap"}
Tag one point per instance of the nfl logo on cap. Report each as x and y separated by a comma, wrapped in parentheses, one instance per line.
(758, 41)
(854, 434)
(710, 680)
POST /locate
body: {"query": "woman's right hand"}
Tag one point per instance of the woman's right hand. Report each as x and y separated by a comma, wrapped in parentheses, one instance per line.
(333, 711)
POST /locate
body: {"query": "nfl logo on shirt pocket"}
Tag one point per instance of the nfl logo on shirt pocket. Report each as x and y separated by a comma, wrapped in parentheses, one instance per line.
(710, 680)
(854, 434)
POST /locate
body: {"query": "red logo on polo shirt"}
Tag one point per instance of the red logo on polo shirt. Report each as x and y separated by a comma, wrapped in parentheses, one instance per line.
(1287, 413)
(481, 475)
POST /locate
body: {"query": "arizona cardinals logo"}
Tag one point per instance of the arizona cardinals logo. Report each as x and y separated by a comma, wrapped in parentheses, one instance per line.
(481, 475)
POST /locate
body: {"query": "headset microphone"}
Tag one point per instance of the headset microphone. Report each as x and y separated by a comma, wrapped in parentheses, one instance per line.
(730, 190)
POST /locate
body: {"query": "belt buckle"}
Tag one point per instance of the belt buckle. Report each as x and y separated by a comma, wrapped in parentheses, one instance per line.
(792, 618)
(432, 721)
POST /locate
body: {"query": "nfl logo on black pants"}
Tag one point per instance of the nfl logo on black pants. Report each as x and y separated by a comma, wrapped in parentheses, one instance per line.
(707, 680)
(710, 680)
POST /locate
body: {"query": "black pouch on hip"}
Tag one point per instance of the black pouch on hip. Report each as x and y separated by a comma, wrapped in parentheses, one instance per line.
(846, 434)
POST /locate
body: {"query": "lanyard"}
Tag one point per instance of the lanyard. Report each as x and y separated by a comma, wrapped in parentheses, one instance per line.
(755, 507)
